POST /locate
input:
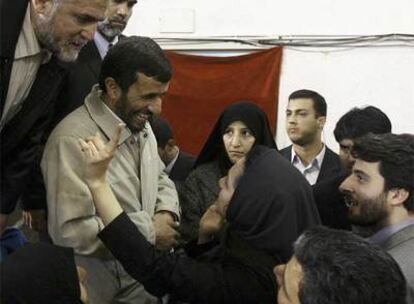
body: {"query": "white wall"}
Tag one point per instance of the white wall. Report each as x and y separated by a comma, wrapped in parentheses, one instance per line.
(382, 77)
(379, 76)
(273, 17)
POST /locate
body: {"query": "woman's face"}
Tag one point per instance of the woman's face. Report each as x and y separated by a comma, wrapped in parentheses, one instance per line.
(228, 185)
(238, 140)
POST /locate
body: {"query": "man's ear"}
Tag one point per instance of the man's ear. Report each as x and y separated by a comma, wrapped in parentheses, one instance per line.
(170, 144)
(113, 90)
(397, 196)
(321, 122)
(42, 7)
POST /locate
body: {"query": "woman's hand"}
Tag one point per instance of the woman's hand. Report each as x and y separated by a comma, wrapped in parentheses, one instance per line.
(98, 156)
(210, 224)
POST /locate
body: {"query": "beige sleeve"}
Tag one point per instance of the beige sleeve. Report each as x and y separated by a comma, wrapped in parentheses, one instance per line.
(72, 218)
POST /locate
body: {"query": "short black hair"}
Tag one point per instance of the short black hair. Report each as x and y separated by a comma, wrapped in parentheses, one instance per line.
(360, 121)
(340, 267)
(132, 55)
(162, 130)
(319, 103)
(396, 156)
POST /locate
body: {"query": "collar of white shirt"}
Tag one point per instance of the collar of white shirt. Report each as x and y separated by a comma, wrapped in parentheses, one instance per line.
(316, 162)
(102, 44)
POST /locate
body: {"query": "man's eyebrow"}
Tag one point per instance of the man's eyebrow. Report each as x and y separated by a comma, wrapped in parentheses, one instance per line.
(360, 172)
(89, 18)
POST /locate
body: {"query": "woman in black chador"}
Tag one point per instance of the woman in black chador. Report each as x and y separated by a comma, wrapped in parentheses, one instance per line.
(265, 204)
(240, 127)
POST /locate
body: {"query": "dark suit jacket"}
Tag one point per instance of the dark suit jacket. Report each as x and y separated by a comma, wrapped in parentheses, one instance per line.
(182, 167)
(82, 75)
(23, 136)
(330, 203)
(331, 165)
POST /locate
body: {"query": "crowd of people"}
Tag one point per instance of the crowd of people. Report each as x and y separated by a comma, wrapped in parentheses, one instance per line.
(125, 216)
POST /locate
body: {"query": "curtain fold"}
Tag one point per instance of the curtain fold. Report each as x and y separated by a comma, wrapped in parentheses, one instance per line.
(203, 86)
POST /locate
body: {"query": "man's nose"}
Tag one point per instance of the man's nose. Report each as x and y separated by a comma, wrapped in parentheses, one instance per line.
(123, 9)
(345, 186)
(291, 119)
(156, 106)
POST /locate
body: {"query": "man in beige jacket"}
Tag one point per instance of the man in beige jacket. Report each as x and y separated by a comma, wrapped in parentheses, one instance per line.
(134, 77)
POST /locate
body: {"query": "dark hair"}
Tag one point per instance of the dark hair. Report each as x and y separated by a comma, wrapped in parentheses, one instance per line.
(132, 55)
(396, 156)
(162, 130)
(340, 267)
(319, 103)
(360, 121)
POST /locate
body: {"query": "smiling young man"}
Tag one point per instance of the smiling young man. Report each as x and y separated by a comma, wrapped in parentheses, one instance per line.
(379, 196)
(135, 75)
(332, 266)
(35, 35)
(305, 119)
(352, 125)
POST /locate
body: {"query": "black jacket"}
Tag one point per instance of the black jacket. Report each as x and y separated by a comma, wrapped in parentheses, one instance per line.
(23, 136)
(82, 75)
(331, 204)
(331, 164)
(182, 167)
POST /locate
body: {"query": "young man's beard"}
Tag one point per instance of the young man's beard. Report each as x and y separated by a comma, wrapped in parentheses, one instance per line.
(372, 213)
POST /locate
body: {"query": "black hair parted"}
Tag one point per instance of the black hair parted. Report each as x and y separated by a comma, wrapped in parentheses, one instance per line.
(319, 103)
(340, 267)
(360, 121)
(133, 55)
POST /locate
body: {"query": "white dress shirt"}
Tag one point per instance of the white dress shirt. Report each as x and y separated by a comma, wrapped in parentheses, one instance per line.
(311, 171)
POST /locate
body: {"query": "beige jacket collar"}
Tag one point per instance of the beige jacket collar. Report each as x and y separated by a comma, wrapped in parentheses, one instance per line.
(103, 116)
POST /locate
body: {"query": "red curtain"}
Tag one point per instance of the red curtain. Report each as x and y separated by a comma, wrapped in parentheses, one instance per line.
(203, 86)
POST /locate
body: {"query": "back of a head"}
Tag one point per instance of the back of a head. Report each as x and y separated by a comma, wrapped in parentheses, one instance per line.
(395, 153)
(40, 273)
(162, 130)
(133, 55)
(339, 267)
(360, 121)
(319, 103)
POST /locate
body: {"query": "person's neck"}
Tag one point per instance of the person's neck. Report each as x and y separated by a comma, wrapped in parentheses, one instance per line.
(308, 152)
(397, 216)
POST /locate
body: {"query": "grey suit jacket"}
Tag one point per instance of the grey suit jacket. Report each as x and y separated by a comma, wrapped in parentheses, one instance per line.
(401, 247)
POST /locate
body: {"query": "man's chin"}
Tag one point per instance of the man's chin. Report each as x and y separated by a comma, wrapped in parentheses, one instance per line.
(134, 128)
(68, 55)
